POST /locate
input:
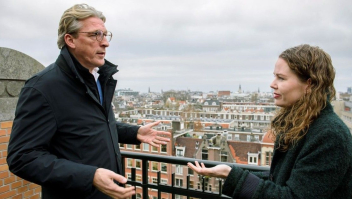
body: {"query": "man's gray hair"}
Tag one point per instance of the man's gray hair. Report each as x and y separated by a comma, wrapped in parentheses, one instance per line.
(70, 21)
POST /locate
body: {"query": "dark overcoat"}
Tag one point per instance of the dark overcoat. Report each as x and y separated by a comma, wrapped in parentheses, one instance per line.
(61, 133)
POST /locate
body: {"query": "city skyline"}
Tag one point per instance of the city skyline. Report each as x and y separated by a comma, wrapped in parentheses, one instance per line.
(195, 45)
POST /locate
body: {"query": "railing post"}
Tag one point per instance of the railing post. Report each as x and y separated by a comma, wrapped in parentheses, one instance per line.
(133, 177)
(158, 182)
(145, 178)
(123, 165)
(173, 184)
(220, 187)
(187, 185)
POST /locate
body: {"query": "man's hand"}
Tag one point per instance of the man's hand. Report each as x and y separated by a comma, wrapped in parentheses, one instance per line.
(219, 171)
(103, 181)
(147, 134)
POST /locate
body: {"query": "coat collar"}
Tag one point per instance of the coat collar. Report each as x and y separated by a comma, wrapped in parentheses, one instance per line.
(65, 62)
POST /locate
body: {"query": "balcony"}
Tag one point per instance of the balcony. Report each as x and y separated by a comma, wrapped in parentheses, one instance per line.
(175, 190)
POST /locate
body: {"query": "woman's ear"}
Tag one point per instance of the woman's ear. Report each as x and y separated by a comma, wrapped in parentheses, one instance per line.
(309, 86)
(69, 40)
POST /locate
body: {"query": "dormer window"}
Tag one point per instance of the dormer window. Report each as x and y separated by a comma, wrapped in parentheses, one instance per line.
(253, 158)
(180, 151)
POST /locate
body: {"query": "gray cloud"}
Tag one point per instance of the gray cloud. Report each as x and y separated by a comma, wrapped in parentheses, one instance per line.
(197, 45)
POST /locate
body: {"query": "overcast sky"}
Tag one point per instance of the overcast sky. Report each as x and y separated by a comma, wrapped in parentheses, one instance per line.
(187, 44)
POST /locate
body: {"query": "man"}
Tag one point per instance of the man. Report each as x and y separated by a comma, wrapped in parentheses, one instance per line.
(65, 136)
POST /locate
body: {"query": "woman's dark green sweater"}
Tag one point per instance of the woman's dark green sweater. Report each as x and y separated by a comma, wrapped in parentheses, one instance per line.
(319, 166)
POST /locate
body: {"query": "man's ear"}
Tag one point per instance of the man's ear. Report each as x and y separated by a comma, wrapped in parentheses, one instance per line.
(69, 40)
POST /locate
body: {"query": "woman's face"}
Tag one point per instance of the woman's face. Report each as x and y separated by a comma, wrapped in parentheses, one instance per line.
(288, 88)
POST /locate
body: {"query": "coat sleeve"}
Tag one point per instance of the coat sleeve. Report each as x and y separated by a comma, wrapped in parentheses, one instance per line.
(29, 155)
(127, 133)
(317, 173)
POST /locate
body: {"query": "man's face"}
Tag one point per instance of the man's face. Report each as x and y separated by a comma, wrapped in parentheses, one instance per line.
(87, 49)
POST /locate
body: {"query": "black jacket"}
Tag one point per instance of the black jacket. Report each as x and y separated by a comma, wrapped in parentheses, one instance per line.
(61, 133)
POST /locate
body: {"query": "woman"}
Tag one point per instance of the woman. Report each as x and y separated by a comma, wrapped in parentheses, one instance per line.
(313, 147)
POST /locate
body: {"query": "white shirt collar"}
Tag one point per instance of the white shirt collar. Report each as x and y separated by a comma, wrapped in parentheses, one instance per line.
(95, 73)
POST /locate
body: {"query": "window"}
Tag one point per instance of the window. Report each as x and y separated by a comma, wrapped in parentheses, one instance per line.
(122, 145)
(137, 147)
(223, 156)
(145, 147)
(138, 164)
(256, 137)
(129, 162)
(163, 181)
(179, 182)
(154, 149)
(179, 169)
(268, 157)
(138, 178)
(190, 171)
(129, 176)
(198, 185)
(191, 184)
(163, 148)
(248, 138)
(204, 154)
(229, 137)
(128, 146)
(154, 180)
(253, 158)
(180, 151)
(209, 187)
(155, 166)
(163, 167)
(138, 196)
(237, 137)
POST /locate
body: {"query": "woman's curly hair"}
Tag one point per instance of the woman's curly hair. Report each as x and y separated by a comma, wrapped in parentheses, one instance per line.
(310, 64)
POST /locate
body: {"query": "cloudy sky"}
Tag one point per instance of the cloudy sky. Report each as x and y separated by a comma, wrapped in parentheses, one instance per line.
(192, 44)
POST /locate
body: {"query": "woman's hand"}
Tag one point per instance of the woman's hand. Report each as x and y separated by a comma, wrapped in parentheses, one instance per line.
(219, 171)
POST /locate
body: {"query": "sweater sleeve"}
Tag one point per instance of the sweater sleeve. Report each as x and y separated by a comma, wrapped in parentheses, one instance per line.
(241, 183)
(29, 155)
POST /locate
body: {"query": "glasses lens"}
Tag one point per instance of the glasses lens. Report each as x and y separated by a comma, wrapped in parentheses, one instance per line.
(100, 35)
(108, 36)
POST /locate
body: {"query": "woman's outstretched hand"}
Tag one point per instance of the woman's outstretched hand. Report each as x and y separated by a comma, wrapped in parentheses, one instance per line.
(219, 171)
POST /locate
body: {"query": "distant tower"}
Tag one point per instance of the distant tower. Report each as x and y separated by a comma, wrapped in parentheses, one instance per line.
(239, 89)
(148, 89)
(258, 90)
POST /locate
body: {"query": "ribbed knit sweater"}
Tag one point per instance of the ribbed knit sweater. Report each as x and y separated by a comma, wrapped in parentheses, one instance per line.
(319, 166)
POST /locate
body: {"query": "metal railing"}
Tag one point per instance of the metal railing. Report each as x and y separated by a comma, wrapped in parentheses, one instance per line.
(172, 189)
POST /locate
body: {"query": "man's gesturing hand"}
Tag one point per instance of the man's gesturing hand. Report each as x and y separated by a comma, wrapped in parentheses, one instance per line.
(146, 134)
(103, 181)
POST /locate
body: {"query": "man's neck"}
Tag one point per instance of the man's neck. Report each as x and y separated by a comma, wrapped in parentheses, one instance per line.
(90, 69)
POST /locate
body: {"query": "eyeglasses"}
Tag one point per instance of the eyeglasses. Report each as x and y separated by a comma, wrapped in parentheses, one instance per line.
(99, 35)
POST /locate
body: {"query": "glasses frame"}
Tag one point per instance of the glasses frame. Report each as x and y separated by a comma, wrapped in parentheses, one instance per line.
(99, 35)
